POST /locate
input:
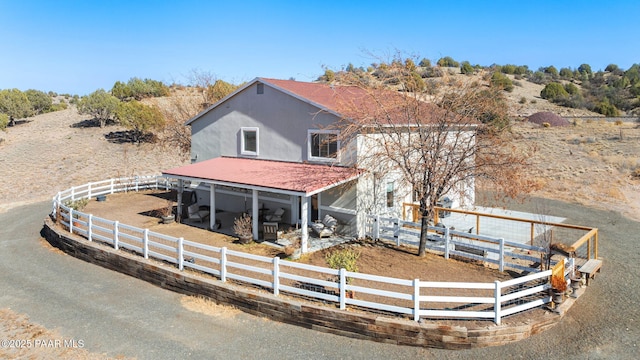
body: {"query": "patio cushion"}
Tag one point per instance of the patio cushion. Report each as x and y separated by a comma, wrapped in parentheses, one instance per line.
(327, 227)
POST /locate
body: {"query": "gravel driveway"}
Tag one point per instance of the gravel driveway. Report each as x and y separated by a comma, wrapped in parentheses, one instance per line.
(121, 316)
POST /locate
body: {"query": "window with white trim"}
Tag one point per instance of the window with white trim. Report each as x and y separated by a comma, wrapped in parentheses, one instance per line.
(249, 141)
(323, 145)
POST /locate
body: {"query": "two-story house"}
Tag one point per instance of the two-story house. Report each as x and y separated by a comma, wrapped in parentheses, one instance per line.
(271, 145)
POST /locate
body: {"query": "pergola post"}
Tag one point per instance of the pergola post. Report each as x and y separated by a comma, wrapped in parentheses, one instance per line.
(254, 213)
(180, 191)
(303, 224)
(212, 208)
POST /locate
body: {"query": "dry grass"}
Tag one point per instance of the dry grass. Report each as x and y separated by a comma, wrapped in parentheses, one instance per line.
(207, 307)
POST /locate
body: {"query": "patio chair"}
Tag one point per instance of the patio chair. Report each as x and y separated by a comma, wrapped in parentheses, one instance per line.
(325, 228)
(194, 212)
(270, 231)
(276, 216)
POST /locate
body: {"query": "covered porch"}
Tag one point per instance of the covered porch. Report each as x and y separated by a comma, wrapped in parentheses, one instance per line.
(263, 187)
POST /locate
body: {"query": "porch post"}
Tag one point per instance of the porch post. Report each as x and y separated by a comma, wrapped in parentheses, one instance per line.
(180, 191)
(254, 213)
(319, 200)
(305, 232)
(295, 216)
(212, 203)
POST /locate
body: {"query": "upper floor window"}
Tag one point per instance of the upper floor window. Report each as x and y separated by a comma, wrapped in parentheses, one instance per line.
(323, 145)
(249, 141)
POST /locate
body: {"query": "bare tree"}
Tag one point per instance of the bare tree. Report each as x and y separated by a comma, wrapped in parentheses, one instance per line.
(209, 86)
(439, 140)
(177, 109)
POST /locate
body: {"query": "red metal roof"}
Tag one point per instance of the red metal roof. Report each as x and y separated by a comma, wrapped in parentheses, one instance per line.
(362, 104)
(277, 175)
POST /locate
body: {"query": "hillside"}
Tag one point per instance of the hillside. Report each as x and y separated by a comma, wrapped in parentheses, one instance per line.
(590, 162)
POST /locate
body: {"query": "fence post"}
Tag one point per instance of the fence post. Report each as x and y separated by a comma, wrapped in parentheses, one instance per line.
(71, 220)
(446, 243)
(90, 228)
(145, 243)
(501, 254)
(396, 231)
(223, 264)
(376, 227)
(136, 183)
(498, 304)
(343, 290)
(73, 193)
(416, 300)
(276, 276)
(180, 253)
(111, 187)
(89, 191)
(115, 235)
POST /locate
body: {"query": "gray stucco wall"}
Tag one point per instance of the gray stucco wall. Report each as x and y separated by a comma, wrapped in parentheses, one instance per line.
(283, 122)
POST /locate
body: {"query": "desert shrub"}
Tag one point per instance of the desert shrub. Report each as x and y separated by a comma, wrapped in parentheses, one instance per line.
(219, 90)
(585, 69)
(139, 118)
(517, 83)
(40, 101)
(343, 259)
(425, 63)
(15, 104)
(433, 72)
(4, 121)
(414, 82)
(62, 105)
(501, 81)
(523, 100)
(77, 205)
(551, 70)
(566, 73)
(466, 68)
(571, 88)
(553, 91)
(606, 108)
(139, 89)
(329, 75)
(534, 101)
(99, 104)
(636, 173)
(546, 124)
(576, 101)
(539, 78)
(448, 61)
(508, 69)
(619, 122)
(409, 64)
(611, 68)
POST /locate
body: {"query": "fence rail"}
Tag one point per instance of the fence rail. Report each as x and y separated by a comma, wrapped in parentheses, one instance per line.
(413, 297)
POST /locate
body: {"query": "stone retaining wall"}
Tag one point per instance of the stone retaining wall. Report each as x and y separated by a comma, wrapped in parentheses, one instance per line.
(308, 315)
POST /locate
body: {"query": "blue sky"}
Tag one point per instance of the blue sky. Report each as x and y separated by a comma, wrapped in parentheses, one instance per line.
(77, 47)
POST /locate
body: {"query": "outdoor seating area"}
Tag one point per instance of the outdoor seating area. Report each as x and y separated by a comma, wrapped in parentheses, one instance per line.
(277, 233)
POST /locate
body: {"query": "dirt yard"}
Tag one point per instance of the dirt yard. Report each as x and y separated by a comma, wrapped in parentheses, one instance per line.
(134, 208)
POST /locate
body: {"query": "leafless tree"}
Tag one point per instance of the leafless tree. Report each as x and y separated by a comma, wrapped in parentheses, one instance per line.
(439, 140)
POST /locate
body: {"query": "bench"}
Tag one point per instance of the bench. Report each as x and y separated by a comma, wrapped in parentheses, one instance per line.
(470, 250)
(590, 268)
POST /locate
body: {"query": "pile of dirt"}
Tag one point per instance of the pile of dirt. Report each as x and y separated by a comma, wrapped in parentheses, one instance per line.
(546, 117)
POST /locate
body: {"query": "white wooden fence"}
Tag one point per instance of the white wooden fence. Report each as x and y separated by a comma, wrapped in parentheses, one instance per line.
(416, 298)
(504, 253)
